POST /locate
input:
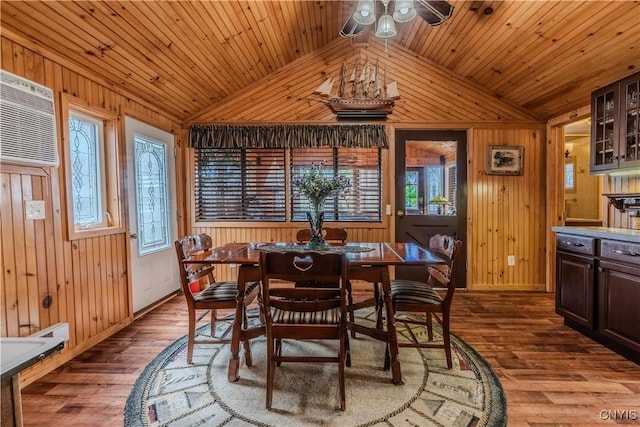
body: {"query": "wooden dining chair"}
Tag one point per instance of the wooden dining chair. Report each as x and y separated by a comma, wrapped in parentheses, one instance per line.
(304, 313)
(334, 236)
(216, 295)
(423, 297)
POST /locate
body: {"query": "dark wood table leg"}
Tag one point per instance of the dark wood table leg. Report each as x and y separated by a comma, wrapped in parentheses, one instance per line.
(396, 373)
(236, 333)
(246, 273)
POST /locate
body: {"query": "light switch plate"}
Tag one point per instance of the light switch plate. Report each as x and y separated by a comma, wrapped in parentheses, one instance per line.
(34, 209)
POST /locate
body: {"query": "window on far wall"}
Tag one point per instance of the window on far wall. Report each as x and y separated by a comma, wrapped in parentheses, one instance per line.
(435, 187)
(93, 184)
(239, 184)
(251, 184)
(361, 165)
(570, 174)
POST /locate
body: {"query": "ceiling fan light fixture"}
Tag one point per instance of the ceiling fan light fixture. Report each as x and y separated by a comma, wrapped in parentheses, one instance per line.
(404, 11)
(365, 13)
(386, 27)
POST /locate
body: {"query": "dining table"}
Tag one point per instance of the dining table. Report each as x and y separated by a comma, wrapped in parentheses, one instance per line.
(368, 262)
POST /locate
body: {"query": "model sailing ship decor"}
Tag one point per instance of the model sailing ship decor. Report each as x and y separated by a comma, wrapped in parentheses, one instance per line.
(362, 92)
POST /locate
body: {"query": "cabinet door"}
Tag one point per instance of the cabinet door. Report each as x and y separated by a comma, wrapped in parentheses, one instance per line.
(619, 304)
(629, 147)
(604, 129)
(575, 288)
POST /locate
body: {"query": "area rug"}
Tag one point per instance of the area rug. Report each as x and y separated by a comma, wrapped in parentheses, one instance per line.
(171, 392)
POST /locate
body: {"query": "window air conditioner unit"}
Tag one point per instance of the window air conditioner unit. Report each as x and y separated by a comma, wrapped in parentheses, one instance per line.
(27, 122)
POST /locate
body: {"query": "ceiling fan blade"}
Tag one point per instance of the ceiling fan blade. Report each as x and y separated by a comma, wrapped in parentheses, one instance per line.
(435, 12)
(351, 28)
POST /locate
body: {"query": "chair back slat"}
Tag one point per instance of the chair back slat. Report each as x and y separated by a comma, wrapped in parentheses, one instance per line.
(186, 247)
(443, 245)
(335, 236)
(448, 278)
(195, 244)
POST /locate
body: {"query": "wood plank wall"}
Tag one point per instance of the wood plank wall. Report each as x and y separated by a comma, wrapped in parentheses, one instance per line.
(612, 217)
(506, 214)
(85, 280)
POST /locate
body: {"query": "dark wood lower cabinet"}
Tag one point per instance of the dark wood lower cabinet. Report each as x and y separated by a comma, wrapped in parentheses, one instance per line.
(598, 290)
(619, 304)
(574, 298)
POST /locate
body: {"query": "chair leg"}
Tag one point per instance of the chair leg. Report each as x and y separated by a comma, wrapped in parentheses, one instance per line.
(213, 322)
(271, 367)
(379, 305)
(352, 316)
(263, 320)
(341, 364)
(247, 346)
(429, 320)
(278, 350)
(192, 335)
(387, 358)
(347, 349)
(446, 338)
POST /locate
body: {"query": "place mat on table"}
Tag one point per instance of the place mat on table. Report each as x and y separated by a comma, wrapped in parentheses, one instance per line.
(285, 247)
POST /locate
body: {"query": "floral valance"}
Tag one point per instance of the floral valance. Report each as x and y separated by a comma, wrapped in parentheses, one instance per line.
(287, 136)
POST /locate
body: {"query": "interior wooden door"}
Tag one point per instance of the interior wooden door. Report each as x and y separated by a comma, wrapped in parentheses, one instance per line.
(431, 190)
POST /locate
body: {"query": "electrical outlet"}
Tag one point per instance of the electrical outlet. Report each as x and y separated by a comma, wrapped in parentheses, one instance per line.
(511, 260)
(34, 209)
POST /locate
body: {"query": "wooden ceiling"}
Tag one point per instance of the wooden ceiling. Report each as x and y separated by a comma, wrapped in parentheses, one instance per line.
(184, 56)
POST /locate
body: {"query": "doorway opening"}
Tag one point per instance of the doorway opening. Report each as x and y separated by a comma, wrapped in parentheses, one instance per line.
(581, 189)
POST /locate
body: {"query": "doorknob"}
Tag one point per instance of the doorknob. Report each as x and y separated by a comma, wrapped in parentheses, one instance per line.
(133, 236)
(400, 213)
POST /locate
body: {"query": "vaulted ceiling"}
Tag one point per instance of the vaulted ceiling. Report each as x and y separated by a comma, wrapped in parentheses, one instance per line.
(185, 56)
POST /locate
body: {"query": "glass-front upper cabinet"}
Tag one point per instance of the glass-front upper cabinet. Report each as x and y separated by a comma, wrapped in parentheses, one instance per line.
(630, 125)
(604, 130)
(615, 133)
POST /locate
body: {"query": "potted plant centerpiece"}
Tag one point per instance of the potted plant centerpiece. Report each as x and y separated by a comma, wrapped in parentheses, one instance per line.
(317, 186)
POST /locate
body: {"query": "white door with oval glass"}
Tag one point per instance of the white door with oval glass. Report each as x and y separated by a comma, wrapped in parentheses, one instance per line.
(152, 212)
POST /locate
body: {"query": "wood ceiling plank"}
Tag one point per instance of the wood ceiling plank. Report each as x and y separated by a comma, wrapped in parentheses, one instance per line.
(509, 20)
(235, 43)
(584, 46)
(226, 74)
(537, 47)
(134, 72)
(141, 56)
(62, 45)
(259, 21)
(164, 30)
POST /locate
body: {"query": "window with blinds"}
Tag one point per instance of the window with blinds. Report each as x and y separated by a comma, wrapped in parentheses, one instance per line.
(240, 184)
(361, 165)
(452, 187)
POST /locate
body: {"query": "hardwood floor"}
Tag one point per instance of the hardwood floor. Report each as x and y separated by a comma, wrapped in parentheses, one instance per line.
(552, 375)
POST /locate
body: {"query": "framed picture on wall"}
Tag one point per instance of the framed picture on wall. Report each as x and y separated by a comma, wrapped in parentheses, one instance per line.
(505, 160)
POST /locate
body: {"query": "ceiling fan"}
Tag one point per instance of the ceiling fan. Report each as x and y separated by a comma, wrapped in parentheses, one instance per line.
(434, 12)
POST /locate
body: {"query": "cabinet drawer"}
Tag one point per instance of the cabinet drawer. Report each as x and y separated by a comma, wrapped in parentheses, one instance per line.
(620, 251)
(576, 244)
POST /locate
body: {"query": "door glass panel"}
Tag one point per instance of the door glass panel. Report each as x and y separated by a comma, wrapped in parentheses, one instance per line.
(151, 195)
(430, 174)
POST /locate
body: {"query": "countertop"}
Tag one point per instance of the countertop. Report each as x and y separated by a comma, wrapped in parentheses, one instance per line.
(622, 234)
(20, 353)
